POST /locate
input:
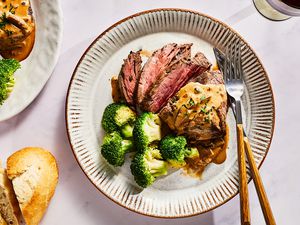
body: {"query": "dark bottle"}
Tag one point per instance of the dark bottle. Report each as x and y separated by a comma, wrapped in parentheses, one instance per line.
(292, 3)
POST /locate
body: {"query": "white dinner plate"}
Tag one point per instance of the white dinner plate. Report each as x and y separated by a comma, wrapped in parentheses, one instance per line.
(38, 67)
(175, 195)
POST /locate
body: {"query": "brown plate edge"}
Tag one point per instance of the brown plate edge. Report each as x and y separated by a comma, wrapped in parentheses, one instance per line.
(136, 15)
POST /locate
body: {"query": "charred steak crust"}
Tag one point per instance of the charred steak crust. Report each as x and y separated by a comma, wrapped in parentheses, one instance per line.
(160, 61)
(209, 77)
(129, 76)
(172, 80)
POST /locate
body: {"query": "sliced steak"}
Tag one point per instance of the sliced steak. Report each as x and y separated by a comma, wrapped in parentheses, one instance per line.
(158, 63)
(129, 76)
(209, 77)
(198, 110)
(172, 80)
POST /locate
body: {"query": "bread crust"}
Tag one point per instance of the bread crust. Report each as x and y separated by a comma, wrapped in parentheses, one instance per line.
(10, 205)
(34, 175)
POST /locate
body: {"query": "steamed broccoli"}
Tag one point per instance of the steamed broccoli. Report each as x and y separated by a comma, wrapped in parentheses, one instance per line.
(146, 130)
(174, 150)
(118, 117)
(114, 148)
(146, 166)
(7, 68)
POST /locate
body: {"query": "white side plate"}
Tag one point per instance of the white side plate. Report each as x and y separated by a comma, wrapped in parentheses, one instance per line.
(38, 67)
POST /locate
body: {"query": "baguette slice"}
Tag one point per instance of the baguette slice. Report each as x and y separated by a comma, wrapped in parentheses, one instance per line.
(9, 209)
(34, 176)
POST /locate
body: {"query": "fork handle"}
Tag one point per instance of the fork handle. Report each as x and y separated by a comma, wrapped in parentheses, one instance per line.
(263, 199)
(243, 185)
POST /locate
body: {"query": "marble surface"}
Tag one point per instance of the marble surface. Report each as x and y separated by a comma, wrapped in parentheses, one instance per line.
(76, 201)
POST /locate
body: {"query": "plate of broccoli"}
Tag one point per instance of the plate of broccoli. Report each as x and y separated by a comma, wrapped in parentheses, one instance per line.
(142, 159)
(126, 132)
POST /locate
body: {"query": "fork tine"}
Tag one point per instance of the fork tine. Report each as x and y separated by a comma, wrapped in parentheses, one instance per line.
(230, 72)
(238, 74)
(240, 61)
(235, 59)
(225, 72)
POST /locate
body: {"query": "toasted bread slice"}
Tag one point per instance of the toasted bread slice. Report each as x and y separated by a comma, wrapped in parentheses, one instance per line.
(34, 175)
(9, 209)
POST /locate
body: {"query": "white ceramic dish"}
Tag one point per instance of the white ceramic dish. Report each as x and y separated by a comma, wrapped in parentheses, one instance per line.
(38, 67)
(175, 195)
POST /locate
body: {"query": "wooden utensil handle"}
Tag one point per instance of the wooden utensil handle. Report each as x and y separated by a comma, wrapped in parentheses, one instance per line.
(263, 199)
(244, 197)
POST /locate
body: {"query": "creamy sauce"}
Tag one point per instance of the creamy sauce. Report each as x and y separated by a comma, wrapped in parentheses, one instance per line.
(215, 67)
(145, 53)
(115, 90)
(194, 100)
(23, 51)
(195, 167)
(200, 92)
(17, 7)
(17, 35)
(221, 157)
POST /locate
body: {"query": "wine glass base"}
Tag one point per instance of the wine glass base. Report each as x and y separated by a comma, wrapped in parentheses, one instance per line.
(266, 10)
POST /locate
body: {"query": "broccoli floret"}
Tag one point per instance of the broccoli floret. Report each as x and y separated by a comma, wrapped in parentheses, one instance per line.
(146, 130)
(118, 117)
(114, 148)
(146, 166)
(174, 150)
(191, 153)
(127, 130)
(7, 81)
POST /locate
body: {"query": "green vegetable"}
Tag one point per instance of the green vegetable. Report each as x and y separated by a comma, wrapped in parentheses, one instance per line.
(146, 166)
(7, 81)
(174, 150)
(115, 147)
(3, 20)
(146, 130)
(118, 117)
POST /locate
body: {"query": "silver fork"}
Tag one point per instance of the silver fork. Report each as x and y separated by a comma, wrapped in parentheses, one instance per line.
(233, 76)
(262, 195)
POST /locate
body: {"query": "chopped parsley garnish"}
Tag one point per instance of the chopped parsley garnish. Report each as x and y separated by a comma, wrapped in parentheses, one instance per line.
(12, 9)
(203, 110)
(203, 97)
(191, 102)
(8, 32)
(175, 98)
(3, 20)
(207, 119)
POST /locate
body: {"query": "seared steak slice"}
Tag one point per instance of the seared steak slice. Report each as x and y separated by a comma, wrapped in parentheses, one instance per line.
(209, 77)
(129, 76)
(198, 110)
(172, 80)
(160, 60)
